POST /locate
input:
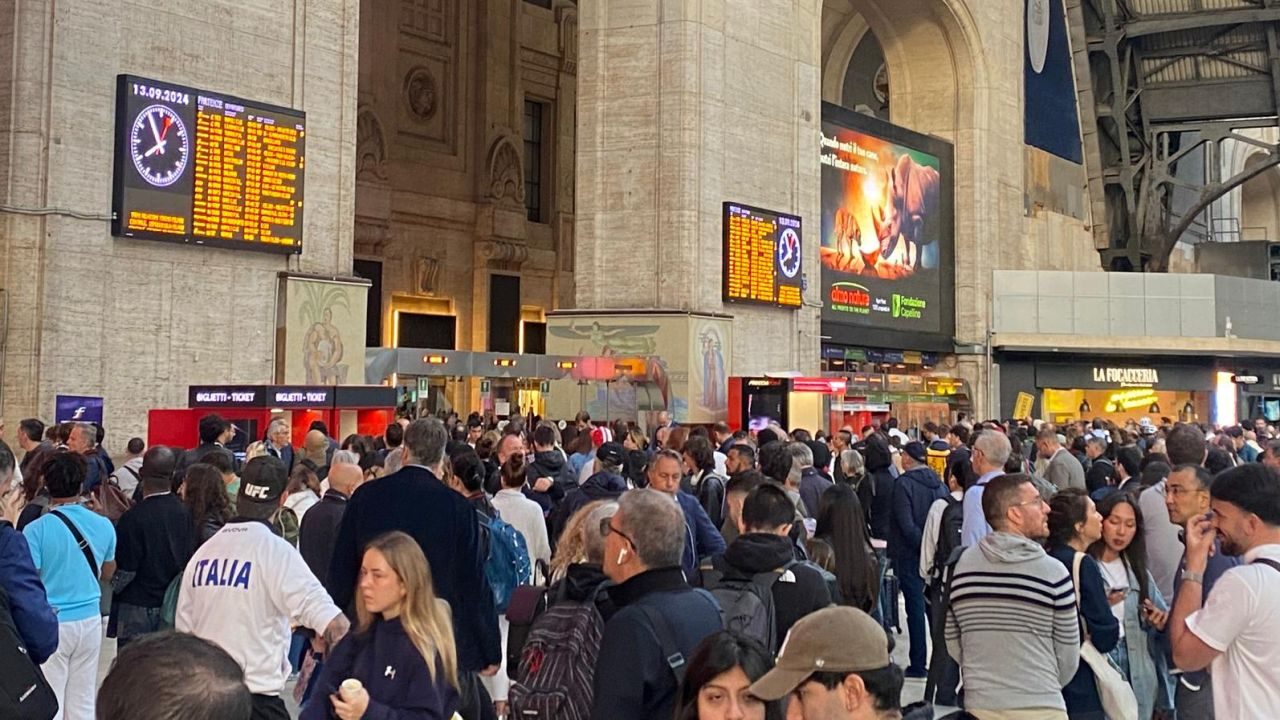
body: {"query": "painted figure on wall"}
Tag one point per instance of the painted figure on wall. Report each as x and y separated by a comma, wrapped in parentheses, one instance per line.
(322, 345)
(714, 380)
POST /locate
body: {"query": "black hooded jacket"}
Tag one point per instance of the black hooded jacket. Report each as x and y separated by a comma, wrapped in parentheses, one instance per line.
(584, 582)
(876, 490)
(795, 595)
(603, 485)
(549, 464)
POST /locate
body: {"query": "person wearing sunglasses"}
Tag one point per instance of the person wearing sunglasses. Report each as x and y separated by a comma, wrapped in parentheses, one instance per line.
(660, 618)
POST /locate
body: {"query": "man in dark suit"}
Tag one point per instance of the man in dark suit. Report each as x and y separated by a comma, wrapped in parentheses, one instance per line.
(278, 445)
(415, 501)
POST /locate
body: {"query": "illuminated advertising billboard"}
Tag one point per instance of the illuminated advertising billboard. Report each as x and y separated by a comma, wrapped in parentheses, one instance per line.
(888, 272)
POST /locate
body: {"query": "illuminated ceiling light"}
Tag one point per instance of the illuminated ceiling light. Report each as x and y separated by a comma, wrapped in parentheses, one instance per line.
(1084, 408)
(435, 359)
(504, 362)
(1154, 409)
(566, 365)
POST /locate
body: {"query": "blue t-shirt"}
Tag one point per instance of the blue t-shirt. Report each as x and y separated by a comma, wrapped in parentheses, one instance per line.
(72, 590)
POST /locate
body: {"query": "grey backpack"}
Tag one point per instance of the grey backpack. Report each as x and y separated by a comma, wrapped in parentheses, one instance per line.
(747, 603)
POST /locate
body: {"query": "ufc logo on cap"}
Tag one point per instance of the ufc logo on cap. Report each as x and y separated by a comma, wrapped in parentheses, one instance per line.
(256, 491)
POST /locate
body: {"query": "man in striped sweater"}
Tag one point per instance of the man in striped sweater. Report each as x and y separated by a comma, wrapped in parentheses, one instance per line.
(1012, 623)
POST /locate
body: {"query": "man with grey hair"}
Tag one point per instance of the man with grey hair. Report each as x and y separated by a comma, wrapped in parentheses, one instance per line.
(1061, 467)
(277, 444)
(394, 461)
(84, 442)
(446, 526)
(991, 450)
(812, 484)
(660, 619)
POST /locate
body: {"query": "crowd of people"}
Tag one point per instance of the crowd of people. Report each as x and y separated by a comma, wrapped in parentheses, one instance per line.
(565, 570)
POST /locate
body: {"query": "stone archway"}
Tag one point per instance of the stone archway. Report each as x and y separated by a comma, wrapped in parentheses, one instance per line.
(1260, 203)
(941, 83)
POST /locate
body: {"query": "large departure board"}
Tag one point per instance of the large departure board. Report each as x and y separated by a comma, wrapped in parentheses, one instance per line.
(198, 167)
(762, 257)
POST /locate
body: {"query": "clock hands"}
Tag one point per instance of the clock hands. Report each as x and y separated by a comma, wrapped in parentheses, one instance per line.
(158, 134)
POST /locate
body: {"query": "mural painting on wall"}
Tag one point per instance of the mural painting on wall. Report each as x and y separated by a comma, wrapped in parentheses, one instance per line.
(323, 332)
(709, 371)
(647, 339)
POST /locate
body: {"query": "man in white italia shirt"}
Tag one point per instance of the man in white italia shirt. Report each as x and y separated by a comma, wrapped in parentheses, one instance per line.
(246, 585)
(1236, 630)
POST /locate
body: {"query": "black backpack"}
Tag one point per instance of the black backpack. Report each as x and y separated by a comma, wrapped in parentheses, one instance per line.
(24, 693)
(948, 536)
(747, 603)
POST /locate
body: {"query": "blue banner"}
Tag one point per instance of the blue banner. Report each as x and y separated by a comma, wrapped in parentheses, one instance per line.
(1051, 120)
(78, 408)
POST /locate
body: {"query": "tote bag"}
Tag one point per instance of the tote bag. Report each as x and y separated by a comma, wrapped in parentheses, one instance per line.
(1118, 700)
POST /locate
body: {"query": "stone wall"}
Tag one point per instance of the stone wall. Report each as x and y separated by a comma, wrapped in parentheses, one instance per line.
(684, 105)
(137, 321)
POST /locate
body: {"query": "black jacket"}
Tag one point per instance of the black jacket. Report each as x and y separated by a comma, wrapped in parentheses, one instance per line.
(319, 532)
(584, 582)
(1102, 473)
(633, 680)
(392, 670)
(795, 595)
(447, 528)
(154, 540)
(876, 495)
(601, 486)
(550, 464)
(710, 494)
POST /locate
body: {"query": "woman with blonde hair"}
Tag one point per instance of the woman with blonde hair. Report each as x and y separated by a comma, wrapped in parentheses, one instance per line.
(400, 657)
(571, 547)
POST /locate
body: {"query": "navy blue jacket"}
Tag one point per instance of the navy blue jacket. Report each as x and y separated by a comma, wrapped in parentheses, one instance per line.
(28, 603)
(632, 678)
(913, 495)
(701, 537)
(812, 485)
(388, 664)
(1081, 694)
(600, 486)
(445, 525)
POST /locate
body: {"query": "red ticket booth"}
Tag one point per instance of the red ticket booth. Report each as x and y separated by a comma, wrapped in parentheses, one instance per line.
(344, 409)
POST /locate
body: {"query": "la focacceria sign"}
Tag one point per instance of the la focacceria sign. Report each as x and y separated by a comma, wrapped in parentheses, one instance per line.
(1127, 376)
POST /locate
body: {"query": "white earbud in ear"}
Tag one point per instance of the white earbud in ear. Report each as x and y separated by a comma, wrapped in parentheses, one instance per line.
(622, 555)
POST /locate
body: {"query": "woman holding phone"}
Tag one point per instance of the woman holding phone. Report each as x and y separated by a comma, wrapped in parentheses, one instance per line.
(1135, 601)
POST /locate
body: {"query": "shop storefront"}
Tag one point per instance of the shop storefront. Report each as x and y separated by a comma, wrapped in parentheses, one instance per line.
(1259, 392)
(1115, 388)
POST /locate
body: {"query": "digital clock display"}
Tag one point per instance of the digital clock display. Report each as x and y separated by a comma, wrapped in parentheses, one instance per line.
(198, 167)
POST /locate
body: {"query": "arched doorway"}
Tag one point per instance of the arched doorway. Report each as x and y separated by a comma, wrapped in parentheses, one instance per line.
(1260, 203)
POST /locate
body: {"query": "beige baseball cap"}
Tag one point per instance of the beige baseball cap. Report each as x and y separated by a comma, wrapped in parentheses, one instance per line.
(834, 639)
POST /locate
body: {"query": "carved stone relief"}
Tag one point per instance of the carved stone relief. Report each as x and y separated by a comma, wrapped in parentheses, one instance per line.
(371, 147)
(503, 255)
(567, 20)
(427, 275)
(506, 171)
(420, 93)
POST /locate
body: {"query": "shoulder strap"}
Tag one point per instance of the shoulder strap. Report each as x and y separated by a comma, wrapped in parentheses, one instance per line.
(80, 541)
(666, 641)
(1075, 580)
(133, 472)
(1268, 562)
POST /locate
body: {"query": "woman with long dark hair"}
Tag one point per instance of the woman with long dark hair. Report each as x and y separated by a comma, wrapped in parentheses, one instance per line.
(718, 679)
(1136, 602)
(842, 525)
(205, 496)
(1074, 524)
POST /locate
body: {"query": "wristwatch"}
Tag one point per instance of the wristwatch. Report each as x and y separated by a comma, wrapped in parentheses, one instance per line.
(1195, 577)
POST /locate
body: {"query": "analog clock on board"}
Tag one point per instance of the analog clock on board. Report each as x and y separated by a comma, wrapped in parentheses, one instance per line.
(159, 144)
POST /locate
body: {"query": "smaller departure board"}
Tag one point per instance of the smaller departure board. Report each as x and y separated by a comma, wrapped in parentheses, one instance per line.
(762, 257)
(199, 167)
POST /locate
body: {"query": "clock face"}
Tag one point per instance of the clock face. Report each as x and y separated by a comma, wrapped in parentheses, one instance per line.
(789, 253)
(159, 145)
